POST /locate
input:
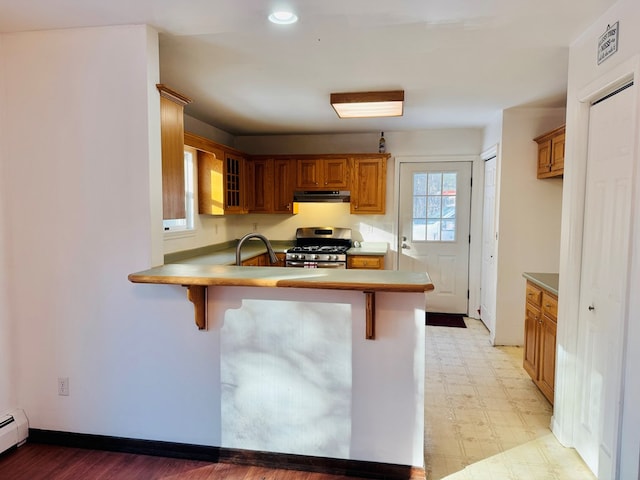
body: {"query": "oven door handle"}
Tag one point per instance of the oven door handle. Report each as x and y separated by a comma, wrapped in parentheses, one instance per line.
(330, 264)
(315, 264)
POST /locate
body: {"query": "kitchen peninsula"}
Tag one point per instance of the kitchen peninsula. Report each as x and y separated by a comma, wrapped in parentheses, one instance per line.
(297, 373)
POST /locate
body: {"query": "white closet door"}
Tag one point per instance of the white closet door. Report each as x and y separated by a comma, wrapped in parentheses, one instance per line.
(489, 244)
(604, 279)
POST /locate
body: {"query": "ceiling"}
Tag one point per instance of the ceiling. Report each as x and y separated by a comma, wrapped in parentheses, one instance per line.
(460, 62)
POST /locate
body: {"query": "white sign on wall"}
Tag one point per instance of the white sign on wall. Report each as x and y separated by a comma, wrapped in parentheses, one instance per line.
(608, 42)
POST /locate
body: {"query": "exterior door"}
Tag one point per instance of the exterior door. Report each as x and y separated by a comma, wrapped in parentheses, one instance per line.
(604, 280)
(434, 215)
(489, 244)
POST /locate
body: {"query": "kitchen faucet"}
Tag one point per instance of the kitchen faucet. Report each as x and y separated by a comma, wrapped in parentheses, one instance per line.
(272, 254)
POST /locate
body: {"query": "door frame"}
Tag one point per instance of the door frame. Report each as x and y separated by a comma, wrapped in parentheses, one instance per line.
(563, 420)
(475, 227)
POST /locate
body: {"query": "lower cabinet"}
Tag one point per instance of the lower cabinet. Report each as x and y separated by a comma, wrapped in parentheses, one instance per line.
(257, 261)
(371, 262)
(540, 326)
(263, 260)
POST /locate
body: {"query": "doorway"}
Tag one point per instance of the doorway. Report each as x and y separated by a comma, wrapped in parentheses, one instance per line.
(433, 229)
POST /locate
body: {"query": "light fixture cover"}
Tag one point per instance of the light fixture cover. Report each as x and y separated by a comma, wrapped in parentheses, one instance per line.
(368, 104)
(283, 17)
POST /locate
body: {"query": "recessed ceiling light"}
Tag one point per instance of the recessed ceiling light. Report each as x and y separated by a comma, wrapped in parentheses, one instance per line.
(283, 17)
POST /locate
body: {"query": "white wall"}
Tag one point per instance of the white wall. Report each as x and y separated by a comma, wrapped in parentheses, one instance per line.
(7, 380)
(77, 191)
(586, 77)
(528, 216)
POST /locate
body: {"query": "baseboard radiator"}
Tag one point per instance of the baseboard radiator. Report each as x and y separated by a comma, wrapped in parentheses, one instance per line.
(14, 430)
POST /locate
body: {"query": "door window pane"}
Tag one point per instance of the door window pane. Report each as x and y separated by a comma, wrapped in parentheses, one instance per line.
(434, 206)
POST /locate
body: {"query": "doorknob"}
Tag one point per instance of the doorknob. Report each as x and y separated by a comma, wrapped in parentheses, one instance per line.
(405, 246)
(591, 308)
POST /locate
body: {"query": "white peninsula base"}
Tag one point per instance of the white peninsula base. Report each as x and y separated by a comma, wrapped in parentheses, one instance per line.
(297, 375)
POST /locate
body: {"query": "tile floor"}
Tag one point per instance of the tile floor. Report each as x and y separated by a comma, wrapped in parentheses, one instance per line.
(484, 417)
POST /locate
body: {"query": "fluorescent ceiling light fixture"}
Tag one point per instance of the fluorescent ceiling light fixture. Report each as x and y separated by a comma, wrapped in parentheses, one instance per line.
(368, 104)
(283, 17)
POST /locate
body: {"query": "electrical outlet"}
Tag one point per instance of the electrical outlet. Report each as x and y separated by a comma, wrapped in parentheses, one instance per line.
(63, 386)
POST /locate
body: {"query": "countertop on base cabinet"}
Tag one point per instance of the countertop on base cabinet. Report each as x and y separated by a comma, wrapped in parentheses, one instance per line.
(540, 327)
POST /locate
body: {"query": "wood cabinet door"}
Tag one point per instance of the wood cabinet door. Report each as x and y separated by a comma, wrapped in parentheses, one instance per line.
(371, 262)
(531, 342)
(284, 182)
(544, 157)
(368, 186)
(257, 261)
(547, 370)
(234, 186)
(260, 185)
(335, 173)
(551, 153)
(172, 138)
(281, 260)
(557, 154)
(319, 173)
(308, 173)
(210, 188)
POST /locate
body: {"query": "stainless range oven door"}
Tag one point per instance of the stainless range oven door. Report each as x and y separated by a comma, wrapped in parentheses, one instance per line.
(303, 264)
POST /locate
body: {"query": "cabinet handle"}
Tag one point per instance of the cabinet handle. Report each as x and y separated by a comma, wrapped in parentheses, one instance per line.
(591, 308)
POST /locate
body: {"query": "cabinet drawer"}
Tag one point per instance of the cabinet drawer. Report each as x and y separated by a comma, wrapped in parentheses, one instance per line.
(366, 261)
(550, 305)
(534, 294)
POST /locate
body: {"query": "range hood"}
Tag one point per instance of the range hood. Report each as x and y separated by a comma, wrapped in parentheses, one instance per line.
(322, 196)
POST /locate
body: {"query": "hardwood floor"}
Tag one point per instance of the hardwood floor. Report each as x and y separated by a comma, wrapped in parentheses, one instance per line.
(34, 461)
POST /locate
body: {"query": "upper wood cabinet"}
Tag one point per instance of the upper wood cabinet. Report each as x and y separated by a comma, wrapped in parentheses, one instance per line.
(235, 183)
(260, 185)
(551, 153)
(369, 184)
(210, 174)
(284, 183)
(271, 182)
(323, 173)
(222, 182)
(172, 132)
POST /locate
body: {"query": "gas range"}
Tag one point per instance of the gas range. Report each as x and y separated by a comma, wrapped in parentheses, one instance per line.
(319, 247)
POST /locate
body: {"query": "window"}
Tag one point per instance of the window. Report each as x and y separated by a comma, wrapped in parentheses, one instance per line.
(434, 206)
(187, 223)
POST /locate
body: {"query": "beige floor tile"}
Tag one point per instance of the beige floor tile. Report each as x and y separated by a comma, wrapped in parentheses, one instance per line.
(484, 417)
